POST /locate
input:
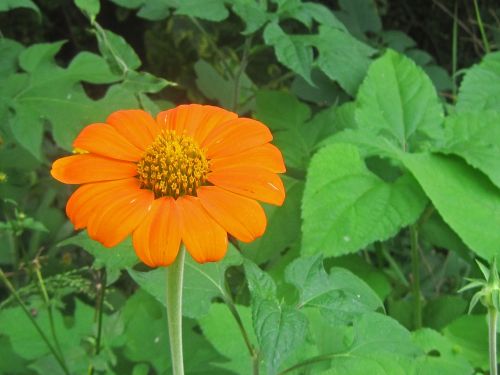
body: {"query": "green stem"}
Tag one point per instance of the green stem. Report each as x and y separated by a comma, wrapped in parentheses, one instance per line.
(237, 79)
(99, 315)
(255, 357)
(415, 265)
(492, 330)
(46, 299)
(486, 44)
(175, 274)
(392, 262)
(44, 337)
(454, 49)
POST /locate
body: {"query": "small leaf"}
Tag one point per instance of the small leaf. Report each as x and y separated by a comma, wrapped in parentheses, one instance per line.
(292, 51)
(120, 56)
(90, 7)
(6, 5)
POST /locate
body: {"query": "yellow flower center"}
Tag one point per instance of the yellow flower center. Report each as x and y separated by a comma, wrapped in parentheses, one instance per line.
(174, 165)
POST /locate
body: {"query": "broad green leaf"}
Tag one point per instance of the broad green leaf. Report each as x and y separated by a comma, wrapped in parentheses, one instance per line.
(202, 283)
(480, 88)
(27, 131)
(9, 50)
(398, 100)
(280, 330)
(293, 51)
(475, 136)
(90, 7)
(379, 346)
(338, 295)
(6, 5)
(343, 58)
(321, 14)
(441, 357)
(346, 207)
(465, 198)
(222, 330)
(469, 336)
(114, 260)
(91, 68)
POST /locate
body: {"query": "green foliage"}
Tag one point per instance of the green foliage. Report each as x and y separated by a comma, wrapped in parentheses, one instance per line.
(375, 139)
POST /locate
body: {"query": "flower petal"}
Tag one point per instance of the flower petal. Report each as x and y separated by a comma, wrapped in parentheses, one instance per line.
(105, 140)
(136, 125)
(265, 156)
(194, 119)
(121, 216)
(236, 136)
(242, 217)
(80, 169)
(205, 240)
(158, 237)
(88, 199)
(256, 183)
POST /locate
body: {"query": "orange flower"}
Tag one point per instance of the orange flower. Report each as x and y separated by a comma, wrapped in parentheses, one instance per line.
(193, 175)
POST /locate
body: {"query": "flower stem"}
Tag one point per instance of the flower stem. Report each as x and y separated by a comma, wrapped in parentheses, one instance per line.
(174, 311)
(415, 265)
(492, 330)
(486, 44)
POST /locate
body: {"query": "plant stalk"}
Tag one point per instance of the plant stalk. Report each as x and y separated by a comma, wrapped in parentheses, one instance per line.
(44, 337)
(486, 44)
(175, 274)
(492, 333)
(415, 265)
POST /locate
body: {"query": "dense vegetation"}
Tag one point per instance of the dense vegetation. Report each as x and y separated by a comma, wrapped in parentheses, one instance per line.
(388, 116)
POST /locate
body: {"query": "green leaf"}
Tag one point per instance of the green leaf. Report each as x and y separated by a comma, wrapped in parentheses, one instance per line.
(346, 207)
(252, 13)
(343, 58)
(114, 260)
(140, 82)
(452, 186)
(339, 295)
(6, 5)
(322, 15)
(283, 226)
(480, 88)
(211, 10)
(380, 345)
(221, 88)
(475, 136)
(223, 332)
(120, 56)
(280, 331)
(291, 50)
(441, 357)
(398, 100)
(469, 336)
(295, 134)
(25, 127)
(90, 7)
(442, 310)
(260, 284)
(91, 68)
(202, 283)
(9, 50)
(360, 16)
